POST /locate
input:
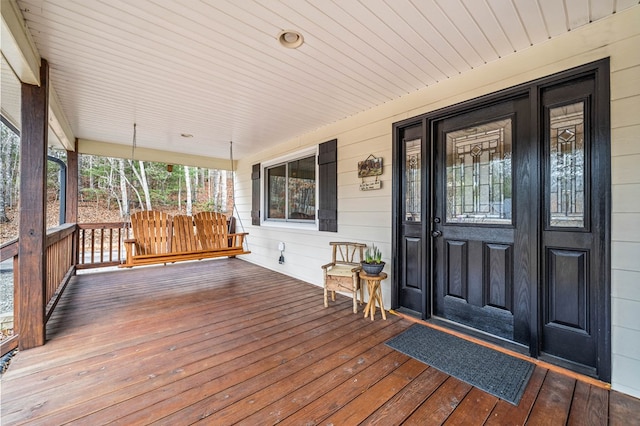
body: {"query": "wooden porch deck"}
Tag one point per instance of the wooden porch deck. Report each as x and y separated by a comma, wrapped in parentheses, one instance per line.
(226, 342)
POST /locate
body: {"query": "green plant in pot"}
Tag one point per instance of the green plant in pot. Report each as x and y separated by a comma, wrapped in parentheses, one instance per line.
(372, 263)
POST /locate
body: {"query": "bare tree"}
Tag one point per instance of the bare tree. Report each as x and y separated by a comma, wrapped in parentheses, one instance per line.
(142, 178)
(91, 171)
(124, 204)
(187, 180)
(210, 179)
(145, 185)
(8, 166)
(125, 209)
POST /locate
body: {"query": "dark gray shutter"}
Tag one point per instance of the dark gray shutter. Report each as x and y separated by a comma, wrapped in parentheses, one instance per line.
(255, 195)
(328, 186)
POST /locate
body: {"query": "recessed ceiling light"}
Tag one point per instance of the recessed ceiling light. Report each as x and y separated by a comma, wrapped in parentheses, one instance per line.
(290, 39)
(186, 135)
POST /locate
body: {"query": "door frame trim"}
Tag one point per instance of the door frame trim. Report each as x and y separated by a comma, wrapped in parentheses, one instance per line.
(600, 70)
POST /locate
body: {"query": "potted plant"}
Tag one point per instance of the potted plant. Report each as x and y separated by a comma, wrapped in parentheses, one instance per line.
(372, 263)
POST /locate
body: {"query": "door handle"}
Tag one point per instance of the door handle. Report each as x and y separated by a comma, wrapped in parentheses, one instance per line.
(436, 234)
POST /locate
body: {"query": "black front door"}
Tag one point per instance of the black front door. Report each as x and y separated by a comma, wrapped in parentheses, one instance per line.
(502, 213)
(481, 219)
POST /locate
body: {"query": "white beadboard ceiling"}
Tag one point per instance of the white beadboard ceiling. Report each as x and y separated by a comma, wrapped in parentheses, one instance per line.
(214, 68)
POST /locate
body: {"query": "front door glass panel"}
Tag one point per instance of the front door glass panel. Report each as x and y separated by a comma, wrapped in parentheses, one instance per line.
(479, 176)
(413, 178)
(567, 161)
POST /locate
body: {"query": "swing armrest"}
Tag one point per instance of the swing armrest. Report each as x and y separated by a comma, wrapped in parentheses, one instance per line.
(129, 247)
(237, 239)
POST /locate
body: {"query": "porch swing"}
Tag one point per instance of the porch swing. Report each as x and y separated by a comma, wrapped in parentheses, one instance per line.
(159, 238)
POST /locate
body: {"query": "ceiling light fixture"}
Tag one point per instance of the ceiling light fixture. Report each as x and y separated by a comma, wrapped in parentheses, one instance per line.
(290, 39)
(186, 135)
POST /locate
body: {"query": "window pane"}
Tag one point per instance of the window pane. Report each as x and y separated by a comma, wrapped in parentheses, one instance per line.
(479, 175)
(413, 178)
(567, 160)
(276, 192)
(302, 189)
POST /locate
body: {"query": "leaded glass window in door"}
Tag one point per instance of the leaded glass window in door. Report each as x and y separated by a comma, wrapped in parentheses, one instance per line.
(479, 174)
(413, 179)
(566, 166)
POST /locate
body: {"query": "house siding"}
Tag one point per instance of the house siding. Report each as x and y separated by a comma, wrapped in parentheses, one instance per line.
(366, 216)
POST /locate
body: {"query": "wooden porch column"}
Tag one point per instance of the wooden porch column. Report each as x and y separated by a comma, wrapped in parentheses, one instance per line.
(72, 185)
(30, 292)
(71, 213)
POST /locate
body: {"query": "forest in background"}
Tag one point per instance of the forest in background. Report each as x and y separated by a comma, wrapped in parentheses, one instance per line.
(110, 189)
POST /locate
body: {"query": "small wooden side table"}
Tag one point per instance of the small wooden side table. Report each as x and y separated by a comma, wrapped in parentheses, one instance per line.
(375, 293)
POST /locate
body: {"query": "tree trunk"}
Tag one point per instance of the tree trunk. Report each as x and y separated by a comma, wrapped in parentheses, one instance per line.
(4, 172)
(187, 181)
(196, 184)
(14, 179)
(179, 192)
(8, 167)
(91, 185)
(124, 209)
(210, 185)
(145, 185)
(219, 192)
(142, 178)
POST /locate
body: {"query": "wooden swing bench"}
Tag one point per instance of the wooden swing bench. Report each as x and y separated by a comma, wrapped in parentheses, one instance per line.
(160, 238)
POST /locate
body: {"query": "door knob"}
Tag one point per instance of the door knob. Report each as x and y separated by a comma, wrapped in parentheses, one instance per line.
(436, 234)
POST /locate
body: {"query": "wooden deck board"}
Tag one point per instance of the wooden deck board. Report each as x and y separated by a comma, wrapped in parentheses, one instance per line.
(227, 342)
(376, 395)
(623, 410)
(441, 404)
(474, 409)
(405, 402)
(505, 412)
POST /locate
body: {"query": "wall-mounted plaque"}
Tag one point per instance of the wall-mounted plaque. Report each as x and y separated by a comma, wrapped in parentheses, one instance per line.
(372, 166)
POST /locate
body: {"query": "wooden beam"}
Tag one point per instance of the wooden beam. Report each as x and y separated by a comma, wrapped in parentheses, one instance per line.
(17, 45)
(108, 149)
(30, 292)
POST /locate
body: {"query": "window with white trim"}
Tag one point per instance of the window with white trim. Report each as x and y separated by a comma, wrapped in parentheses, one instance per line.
(290, 192)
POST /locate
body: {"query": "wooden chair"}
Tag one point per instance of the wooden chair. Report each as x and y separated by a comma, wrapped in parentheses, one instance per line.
(342, 274)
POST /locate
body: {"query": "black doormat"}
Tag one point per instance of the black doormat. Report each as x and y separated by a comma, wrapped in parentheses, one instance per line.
(494, 372)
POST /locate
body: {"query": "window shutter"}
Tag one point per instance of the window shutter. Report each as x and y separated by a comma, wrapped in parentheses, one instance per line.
(328, 186)
(255, 195)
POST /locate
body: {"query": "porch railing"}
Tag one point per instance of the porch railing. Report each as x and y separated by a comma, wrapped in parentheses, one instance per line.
(69, 247)
(60, 265)
(101, 244)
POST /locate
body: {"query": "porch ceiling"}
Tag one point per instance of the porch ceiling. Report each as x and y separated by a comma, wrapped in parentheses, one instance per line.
(214, 68)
